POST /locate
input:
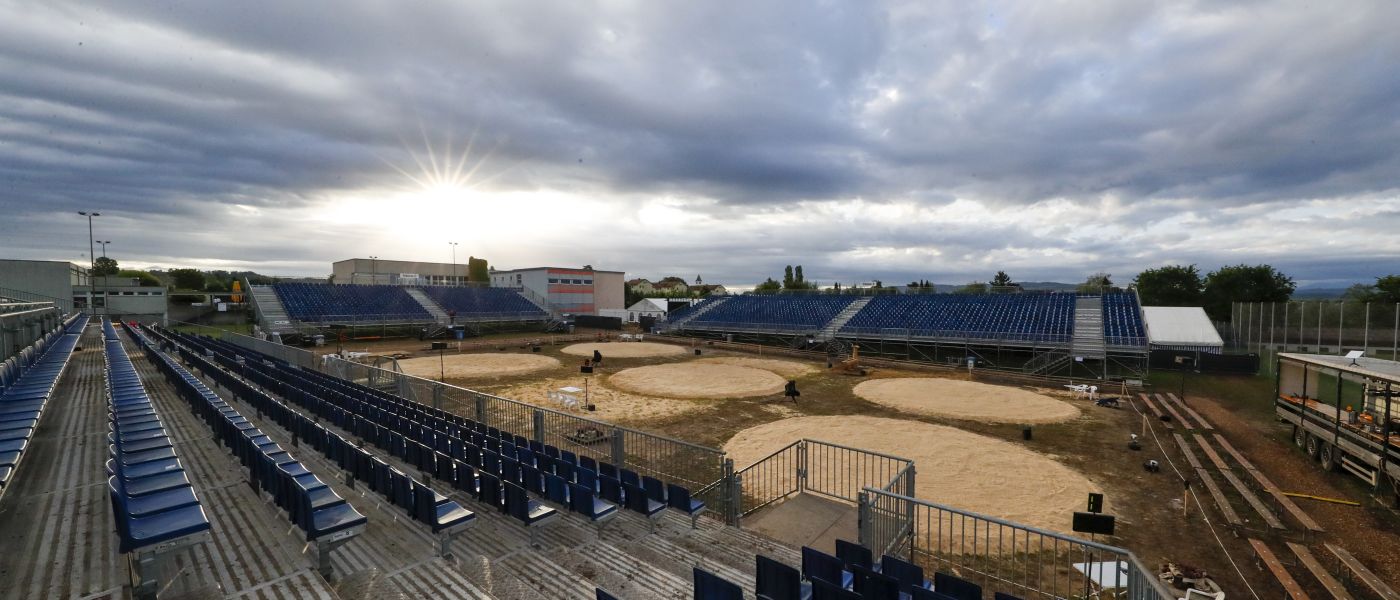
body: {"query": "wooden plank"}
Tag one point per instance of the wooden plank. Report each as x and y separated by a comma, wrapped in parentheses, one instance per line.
(1186, 449)
(1267, 557)
(1175, 415)
(1210, 453)
(1194, 415)
(1330, 583)
(1239, 485)
(1361, 572)
(1253, 500)
(1287, 503)
(1221, 502)
(1151, 405)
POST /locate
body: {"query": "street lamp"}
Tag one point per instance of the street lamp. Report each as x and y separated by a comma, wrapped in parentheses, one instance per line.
(92, 261)
(373, 270)
(104, 246)
(454, 262)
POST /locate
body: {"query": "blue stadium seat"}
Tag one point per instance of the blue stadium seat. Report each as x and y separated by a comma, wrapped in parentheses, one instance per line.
(709, 586)
(777, 581)
(348, 303)
(484, 303)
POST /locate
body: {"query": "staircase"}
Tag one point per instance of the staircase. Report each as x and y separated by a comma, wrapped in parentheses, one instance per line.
(1088, 328)
(429, 305)
(271, 314)
(828, 333)
(1046, 363)
(704, 308)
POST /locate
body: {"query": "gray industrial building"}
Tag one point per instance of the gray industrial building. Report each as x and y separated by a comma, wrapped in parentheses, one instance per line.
(68, 286)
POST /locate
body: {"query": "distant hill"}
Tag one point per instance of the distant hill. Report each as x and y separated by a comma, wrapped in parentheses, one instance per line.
(1319, 294)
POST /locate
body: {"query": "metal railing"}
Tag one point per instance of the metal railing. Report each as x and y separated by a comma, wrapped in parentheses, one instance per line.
(1000, 555)
(821, 468)
(956, 335)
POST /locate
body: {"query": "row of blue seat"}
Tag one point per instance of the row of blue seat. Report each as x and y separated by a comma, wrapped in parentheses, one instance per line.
(310, 503)
(470, 303)
(23, 402)
(12, 367)
(454, 447)
(805, 312)
(1123, 324)
(323, 302)
(153, 502)
(417, 499)
(1011, 317)
(852, 574)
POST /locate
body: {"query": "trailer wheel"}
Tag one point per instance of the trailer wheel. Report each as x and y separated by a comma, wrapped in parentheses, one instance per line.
(1325, 456)
(1312, 445)
(1300, 437)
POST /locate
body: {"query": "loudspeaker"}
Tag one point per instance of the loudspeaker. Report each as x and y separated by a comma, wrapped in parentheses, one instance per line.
(1092, 523)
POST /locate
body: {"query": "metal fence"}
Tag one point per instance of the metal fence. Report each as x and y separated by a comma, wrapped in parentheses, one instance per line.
(1320, 327)
(705, 470)
(821, 468)
(1002, 556)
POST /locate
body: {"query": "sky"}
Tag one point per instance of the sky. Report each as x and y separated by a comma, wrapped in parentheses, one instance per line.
(864, 140)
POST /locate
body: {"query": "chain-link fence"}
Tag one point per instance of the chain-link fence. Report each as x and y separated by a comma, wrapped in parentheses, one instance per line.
(1316, 327)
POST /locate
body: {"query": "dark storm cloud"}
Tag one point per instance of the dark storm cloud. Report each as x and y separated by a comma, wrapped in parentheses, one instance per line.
(1155, 119)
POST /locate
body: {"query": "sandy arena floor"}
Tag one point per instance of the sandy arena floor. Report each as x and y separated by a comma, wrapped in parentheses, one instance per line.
(966, 400)
(624, 350)
(789, 369)
(698, 380)
(478, 365)
(612, 405)
(954, 467)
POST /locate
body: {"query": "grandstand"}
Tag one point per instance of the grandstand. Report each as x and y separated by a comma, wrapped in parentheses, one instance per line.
(290, 309)
(1043, 334)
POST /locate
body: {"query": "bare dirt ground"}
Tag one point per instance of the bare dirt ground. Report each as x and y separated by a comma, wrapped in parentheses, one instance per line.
(471, 366)
(1369, 531)
(789, 369)
(966, 400)
(698, 380)
(960, 468)
(611, 405)
(624, 349)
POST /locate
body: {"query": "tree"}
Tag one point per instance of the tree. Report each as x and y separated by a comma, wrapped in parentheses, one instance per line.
(187, 279)
(215, 286)
(768, 287)
(1172, 285)
(798, 280)
(1388, 289)
(1001, 279)
(975, 287)
(146, 279)
(1361, 292)
(1096, 283)
(477, 270)
(1243, 283)
(787, 277)
(104, 266)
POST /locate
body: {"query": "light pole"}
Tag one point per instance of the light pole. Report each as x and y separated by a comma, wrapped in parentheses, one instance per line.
(454, 262)
(104, 246)
(373, 270)
(92, 261)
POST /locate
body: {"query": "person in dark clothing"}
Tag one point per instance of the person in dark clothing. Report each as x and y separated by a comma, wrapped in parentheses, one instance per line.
(790, 390)
(597, 358)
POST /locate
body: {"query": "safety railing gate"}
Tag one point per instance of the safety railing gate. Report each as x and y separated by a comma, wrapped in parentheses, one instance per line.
(1000, 555)
(823, 469)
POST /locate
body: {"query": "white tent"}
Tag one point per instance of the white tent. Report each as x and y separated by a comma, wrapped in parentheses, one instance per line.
(647, 307)
(1181, 328)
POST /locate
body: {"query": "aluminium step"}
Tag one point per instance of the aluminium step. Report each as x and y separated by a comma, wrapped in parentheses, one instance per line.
(829, 332)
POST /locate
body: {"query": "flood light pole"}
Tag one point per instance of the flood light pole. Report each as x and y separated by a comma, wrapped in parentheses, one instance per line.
(92, 261)
(454, 261)
(373, 270)
(104, 246)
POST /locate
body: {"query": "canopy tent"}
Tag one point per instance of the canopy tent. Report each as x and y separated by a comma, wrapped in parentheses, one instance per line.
(1181, 328)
